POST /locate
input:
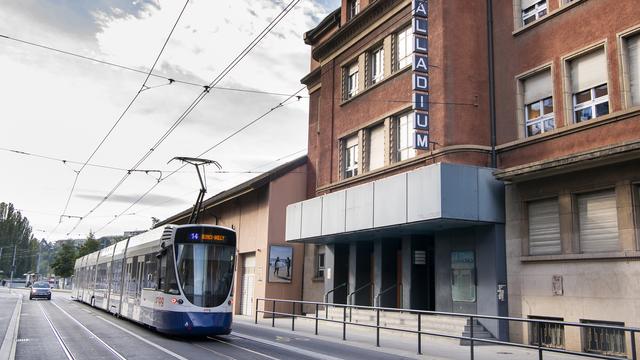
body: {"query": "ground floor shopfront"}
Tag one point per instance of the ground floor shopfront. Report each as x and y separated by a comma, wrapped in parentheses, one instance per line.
(428, 239)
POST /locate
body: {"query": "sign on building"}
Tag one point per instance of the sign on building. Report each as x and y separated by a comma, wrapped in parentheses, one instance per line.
(420, 82)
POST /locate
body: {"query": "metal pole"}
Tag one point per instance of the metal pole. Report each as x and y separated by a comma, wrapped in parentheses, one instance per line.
(419, 334)
(539, 340)
(273, 314)
(13, 265)
(257, 300)
(471, 336)
(633, 346)
(378, 327)
(344, 323)
(317, 306)
(293, 316)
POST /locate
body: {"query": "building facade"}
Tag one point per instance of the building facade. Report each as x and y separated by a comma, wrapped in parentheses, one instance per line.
(568, 134)
(402, 209)
(421, 115)
(266, 266)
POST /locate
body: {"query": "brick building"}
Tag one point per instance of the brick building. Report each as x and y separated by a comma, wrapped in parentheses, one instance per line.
(538, 100)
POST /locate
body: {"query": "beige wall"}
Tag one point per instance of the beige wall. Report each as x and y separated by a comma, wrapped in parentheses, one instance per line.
(601, 288)
(285, 190)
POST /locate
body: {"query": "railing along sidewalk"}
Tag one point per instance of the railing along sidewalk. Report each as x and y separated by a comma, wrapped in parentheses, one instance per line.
(540, 347)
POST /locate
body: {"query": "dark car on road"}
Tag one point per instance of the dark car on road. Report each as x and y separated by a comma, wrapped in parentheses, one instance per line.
(40, 289)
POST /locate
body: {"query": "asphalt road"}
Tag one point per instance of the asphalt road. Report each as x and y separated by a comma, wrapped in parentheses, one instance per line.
(66, 329)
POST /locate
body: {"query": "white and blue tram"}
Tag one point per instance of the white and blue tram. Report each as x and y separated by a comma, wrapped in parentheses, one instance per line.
(176, 279)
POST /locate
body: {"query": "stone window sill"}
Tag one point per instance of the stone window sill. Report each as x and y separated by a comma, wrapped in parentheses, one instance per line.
(617, 255)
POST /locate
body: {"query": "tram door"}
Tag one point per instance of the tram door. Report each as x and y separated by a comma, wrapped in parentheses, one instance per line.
(248, 284)
(139, 279)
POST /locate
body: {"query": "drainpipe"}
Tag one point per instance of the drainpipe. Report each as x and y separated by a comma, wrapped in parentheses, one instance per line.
(492, 87)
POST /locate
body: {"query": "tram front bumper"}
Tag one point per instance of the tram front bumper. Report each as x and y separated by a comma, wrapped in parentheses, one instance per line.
(194, 323)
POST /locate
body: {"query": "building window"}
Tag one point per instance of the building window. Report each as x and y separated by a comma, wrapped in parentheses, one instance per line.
(376, 65)
(538, 100)
(350, 80)
(351, 157)
(376, 147)
(544, 227)
(632, 44)
(353, 8)
(405, 135)
(404, 48)
(591, 103)
(552, 334)
(603, 341)
(319, 271)
(589, 86)
(533, 10)
(598, 222)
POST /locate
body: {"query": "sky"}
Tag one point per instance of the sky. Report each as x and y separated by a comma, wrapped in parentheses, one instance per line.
(60, 107)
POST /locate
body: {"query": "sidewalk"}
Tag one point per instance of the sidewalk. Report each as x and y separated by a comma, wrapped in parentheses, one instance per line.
(395, 343)
(11, 302)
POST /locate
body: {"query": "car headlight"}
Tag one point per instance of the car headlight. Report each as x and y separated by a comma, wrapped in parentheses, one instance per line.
(33, 290)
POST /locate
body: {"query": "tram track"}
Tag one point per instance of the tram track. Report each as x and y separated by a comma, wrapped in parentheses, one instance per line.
(66, 350)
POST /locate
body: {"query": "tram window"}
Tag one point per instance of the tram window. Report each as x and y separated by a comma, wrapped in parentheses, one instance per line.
(149, 271)
(170, 282)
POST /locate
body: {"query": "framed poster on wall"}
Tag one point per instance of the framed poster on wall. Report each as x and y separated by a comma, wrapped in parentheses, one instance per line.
(280, 263)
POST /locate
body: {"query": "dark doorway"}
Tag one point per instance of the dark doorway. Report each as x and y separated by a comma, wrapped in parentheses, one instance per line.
(423, 274)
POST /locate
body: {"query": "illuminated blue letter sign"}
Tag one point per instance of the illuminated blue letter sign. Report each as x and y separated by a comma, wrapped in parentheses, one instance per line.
(420, 63)
(421, 121)
(420, 82)
(420, 44)
(422, 141)
(420, 8)
(420, 27)
(421, 101)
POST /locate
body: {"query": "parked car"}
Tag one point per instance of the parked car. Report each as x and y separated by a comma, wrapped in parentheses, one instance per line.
(40, 289)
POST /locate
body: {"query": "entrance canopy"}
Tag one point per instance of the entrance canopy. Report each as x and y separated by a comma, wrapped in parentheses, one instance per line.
(430, 199)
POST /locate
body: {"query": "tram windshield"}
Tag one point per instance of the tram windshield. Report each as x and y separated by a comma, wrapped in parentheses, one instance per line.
(205, 272)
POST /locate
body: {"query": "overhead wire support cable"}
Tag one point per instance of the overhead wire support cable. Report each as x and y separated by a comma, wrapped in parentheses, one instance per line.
(170, 80)
(199, 98)
(135, 97)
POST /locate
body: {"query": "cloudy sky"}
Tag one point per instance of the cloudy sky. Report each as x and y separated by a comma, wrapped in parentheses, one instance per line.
(60, 107)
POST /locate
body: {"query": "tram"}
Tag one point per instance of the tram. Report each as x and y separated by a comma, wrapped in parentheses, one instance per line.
(175, 279)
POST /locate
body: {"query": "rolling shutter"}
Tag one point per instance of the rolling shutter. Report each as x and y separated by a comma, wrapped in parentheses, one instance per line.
(544, 227)
(633, 52)
(527, 3)
(588, 71)
(376, 147)
(537, 87)
(598, 218)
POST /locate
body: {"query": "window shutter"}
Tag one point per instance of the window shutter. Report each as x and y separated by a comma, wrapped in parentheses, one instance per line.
(376, 147)
(588, 71)
(544, 227)
(538, 87)
(345, 90)
(633, 53)
(598, 219)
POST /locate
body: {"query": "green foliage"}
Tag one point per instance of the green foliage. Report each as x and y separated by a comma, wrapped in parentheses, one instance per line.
(89, 246)
(64, 260)
(16, 231)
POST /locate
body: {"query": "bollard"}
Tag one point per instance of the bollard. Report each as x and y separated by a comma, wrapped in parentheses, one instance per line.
(344, 323)
(419, 335)
(293, 316)
(317, 305)
(471, 349)
(273, 314)
(378, 327)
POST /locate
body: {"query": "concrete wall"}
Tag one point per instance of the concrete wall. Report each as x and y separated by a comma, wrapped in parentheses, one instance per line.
(601, 287)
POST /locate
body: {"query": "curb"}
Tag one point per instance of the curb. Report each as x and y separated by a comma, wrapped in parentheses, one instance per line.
(8, 349)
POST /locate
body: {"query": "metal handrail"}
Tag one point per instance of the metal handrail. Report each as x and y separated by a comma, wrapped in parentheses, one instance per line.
(356, 291)
(540, 347)
(326, 295)
(377, 300)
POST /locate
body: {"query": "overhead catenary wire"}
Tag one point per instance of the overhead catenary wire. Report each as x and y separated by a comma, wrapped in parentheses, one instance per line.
(198, 99)
(170, 80)
(133, 100)
(281, 104)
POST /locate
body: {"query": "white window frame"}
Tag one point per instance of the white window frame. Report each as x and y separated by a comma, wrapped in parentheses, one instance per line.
(591, 103)
(351, 157)
(376, 64)
(540, 120)
(404, 47)
(352, 80)
(534, 12)
(353, 8)
(405, 137)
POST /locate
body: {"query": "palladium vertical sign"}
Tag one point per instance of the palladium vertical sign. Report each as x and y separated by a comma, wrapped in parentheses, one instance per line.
(420, 82)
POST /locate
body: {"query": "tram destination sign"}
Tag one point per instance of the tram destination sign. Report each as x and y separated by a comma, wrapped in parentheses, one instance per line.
(420, 76)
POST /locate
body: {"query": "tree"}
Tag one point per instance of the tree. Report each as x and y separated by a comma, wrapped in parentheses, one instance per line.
(15, 231)
(64, 260)
(89, 246)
